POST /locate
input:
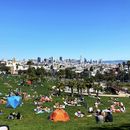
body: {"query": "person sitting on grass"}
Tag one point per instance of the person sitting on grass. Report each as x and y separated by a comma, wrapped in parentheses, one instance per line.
(14, 114)
(90, 110)
(79, 114)
(109, 117)
(19, 116)
(1, 112)
(11, 116)
(122, 109)
(96, 104)
(99, 117)
(57, 105)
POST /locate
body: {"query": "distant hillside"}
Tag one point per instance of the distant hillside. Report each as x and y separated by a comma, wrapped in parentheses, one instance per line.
(114, 61)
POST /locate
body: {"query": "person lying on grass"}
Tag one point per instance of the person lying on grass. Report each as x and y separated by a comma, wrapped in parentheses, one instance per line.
(47, 109)
(41, 109)
(58, 105)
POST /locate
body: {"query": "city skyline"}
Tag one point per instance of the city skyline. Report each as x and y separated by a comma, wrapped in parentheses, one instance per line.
(69, 28)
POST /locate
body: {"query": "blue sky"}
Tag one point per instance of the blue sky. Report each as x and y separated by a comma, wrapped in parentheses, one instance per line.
(95, 29)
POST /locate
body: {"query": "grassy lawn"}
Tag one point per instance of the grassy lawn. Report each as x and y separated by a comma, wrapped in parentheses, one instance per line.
(31, 121)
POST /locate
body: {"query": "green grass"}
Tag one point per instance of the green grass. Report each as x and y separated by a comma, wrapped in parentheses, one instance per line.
(31, 121)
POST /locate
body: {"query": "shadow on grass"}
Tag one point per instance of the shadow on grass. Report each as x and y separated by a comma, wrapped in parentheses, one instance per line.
(112, 127)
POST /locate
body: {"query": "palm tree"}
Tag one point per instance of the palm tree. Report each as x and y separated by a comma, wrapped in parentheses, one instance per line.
(82, 86)
(61, 74)
(109, 84)
(97, 87)
(77, 84)
(72, 84)
(69, 73)
(60, 86)
(88, 85)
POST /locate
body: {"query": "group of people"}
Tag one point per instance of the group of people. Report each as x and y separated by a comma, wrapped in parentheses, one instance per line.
(42, 99)
(100, 115)
(45, 99)
(39, 104)
(72, 102)
(58, 105)
(2, 101)
(40, 109)
(118, 107)
(14, 115)
(103, 116)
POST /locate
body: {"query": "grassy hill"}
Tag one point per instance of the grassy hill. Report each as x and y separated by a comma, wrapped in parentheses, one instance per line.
(31, 121)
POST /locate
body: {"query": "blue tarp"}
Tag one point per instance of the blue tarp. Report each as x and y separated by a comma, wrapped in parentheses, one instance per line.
(13, 101)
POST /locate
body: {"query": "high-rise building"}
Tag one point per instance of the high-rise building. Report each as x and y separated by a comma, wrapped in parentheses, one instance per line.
(100, 61)
(38, 60)
(14, 60)
(60, 58)
(51, 60)
(85, 60)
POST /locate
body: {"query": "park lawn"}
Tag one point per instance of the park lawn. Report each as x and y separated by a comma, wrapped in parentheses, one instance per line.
(31, 121)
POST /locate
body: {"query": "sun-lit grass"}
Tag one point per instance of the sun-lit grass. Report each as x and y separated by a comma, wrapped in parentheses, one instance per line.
(31, 121)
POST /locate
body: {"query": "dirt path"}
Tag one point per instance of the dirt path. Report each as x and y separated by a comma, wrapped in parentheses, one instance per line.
(106, 95)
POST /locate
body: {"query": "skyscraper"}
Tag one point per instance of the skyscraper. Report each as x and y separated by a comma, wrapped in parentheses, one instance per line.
(38, 60)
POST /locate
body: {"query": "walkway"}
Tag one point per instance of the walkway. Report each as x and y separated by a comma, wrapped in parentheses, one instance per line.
(104, 95)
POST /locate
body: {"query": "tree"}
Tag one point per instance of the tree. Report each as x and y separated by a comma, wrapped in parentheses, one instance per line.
(97, 87)
(110, 76)
(82, 86)
(21, 72)
(72, 85)
(99, 77)
(88, 85)
(119, 65)
(30, 62)
(109, 84)
(60, 86)
(43, 71)
(128, 64)
(69, 73)
(31, 73)
(91, 68)
(40, 72)
(123, 76)
(4, 68)
(85, 74)
(61, 74)
(123, 63)
(17, 66)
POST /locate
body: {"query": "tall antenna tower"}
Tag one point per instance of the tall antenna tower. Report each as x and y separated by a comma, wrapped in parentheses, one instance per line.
(80, 58)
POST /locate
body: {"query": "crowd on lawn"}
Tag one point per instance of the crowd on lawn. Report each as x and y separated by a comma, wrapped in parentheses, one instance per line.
(100, 115)
(106, 115)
